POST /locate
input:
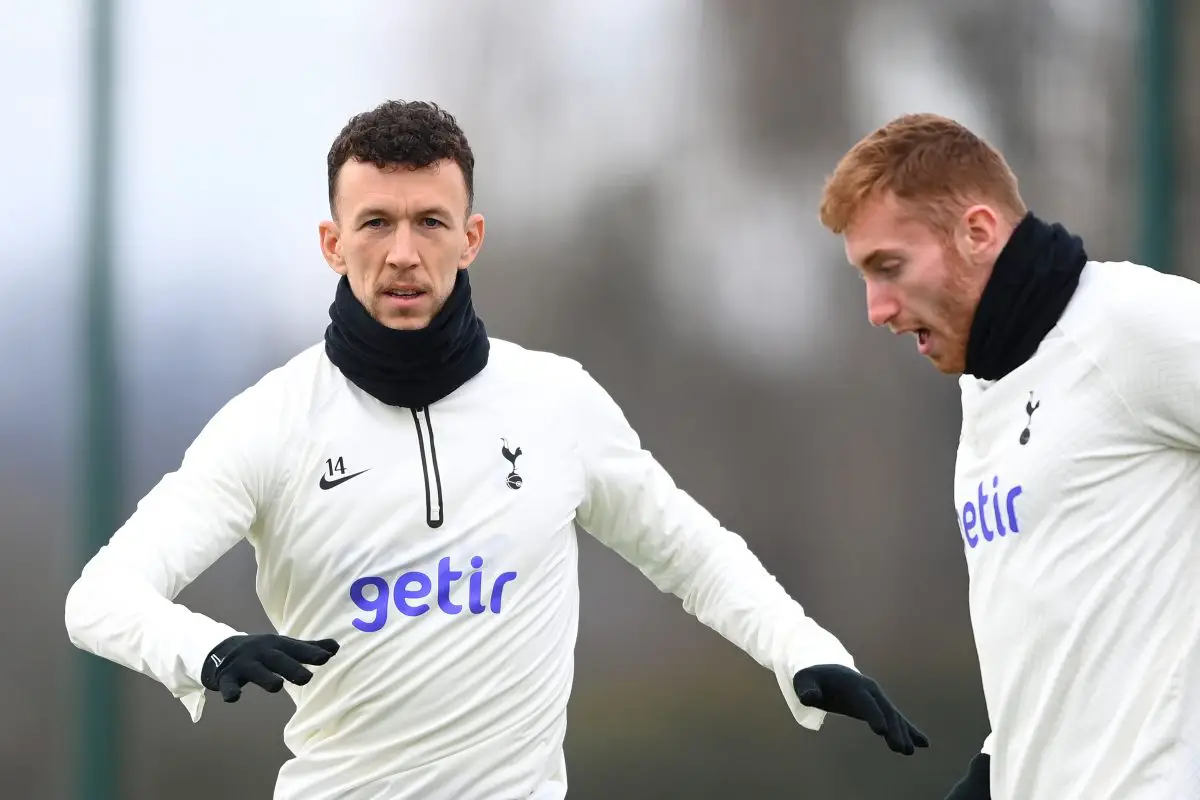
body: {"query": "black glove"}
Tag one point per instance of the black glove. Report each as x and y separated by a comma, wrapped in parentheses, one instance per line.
(977, 783)
(841, 690)
(261, 658)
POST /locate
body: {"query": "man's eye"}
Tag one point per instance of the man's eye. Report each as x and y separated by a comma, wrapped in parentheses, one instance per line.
(430, 222)
(373, 223)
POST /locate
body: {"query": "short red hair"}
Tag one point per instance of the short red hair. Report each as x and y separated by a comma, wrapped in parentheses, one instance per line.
(927, 161)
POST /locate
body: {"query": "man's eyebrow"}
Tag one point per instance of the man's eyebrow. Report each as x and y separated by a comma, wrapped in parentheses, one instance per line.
(370, 212)
(872, 259)
(434, 210)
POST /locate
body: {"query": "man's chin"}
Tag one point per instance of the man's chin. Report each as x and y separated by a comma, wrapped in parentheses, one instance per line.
(948, 364)
(409, 317)
(403, 323)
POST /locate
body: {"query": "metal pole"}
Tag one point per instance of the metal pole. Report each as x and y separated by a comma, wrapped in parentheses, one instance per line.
(99, 733)
(1156, 244)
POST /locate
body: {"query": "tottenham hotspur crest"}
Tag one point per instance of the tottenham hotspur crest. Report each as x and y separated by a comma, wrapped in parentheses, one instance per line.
(514, 480)
(1030, 407)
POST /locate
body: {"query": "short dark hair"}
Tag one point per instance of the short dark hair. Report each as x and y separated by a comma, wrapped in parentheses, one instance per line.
(398, 133)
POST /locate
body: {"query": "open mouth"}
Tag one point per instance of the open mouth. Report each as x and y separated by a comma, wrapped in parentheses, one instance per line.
(923, 337)
(404, 297)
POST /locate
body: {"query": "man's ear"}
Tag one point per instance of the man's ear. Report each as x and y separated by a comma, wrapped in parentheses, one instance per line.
(331, 246)
(981, 231)
(475, 229)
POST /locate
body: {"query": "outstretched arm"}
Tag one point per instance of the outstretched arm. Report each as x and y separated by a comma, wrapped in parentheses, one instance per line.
(633, 506)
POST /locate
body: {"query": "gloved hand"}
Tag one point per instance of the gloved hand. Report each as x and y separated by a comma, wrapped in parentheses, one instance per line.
(977, 783)
(841, 690)
(261, 658)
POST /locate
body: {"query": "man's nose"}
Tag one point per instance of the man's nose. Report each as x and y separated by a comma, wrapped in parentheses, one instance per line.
(403, 250)
(882, 307)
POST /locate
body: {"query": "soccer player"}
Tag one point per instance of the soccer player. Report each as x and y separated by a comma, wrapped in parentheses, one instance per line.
(1077, 483)
(410, 487)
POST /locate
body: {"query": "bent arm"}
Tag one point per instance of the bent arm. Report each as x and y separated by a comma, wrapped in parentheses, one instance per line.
(122, 607)
(633, 506)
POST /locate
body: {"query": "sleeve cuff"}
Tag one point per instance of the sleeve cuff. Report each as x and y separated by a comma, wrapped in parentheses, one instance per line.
(194, 703)
(191, 693)
(807, 716)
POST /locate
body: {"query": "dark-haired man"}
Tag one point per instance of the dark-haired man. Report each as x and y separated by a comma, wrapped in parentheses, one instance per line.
(410, 488)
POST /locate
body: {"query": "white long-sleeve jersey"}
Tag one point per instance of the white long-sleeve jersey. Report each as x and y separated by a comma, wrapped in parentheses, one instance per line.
(1078, 495)
(437, 546)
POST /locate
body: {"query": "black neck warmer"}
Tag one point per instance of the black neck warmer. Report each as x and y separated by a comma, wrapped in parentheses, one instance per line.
(414, 368)
(1032, 282)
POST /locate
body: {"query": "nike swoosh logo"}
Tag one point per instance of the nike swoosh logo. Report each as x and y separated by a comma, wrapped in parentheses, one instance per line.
(328, 484)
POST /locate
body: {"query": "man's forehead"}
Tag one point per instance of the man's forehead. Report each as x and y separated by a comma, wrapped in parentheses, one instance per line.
(439, 184)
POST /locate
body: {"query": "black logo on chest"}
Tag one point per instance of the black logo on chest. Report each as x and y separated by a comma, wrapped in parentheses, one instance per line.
(1030, 407)
(513, 481)
(335, 473)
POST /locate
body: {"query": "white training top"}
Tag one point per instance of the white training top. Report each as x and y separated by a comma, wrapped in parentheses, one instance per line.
(437, 546)
(1078, 497)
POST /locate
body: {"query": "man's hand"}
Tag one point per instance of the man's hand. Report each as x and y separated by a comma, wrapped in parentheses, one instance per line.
(977, 783)
(841, 690)
(264, 659)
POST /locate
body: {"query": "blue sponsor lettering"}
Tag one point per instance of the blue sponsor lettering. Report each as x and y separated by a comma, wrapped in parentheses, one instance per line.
(415, 593)
(1002, 519)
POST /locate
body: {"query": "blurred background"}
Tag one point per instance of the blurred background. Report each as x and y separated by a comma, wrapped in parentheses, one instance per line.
(650, 172)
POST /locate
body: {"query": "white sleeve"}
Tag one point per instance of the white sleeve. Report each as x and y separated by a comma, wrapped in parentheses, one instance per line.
(121, 607)
(1153, 357)
(633, 506)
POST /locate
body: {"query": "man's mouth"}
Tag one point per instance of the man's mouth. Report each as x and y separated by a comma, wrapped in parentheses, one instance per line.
(923, 336)
(404, 298)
